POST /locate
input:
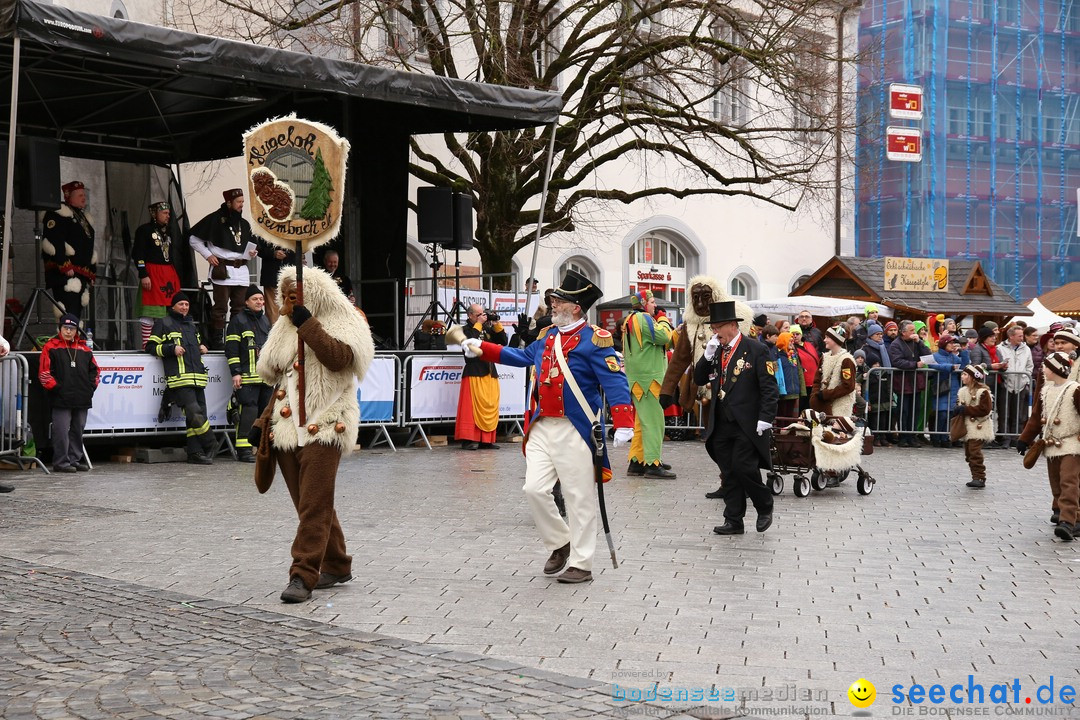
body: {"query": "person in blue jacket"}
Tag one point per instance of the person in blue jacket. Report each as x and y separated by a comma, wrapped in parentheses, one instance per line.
(949, 362)
(558, 434)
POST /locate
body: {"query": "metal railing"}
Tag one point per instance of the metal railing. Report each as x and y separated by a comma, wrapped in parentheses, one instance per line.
(14, 425)
(115, 327)
(904, 404)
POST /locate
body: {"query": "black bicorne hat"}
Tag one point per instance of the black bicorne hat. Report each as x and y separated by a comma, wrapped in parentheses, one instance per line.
(577, 288)
(722, 312)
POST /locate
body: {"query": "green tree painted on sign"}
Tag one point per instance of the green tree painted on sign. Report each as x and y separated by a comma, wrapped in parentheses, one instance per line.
(318, 199)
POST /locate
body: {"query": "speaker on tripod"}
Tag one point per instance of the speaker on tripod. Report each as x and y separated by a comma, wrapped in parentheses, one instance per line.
(443, 218)
(37, 173)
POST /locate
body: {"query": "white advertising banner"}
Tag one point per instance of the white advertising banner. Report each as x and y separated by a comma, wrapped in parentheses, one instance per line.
(376, 393)
(435, 384)
(129, 395)
(506, 303)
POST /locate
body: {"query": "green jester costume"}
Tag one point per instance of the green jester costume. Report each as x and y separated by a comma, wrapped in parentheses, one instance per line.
(645, 338)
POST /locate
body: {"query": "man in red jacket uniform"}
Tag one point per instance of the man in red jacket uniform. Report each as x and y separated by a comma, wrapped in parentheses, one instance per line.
(558, 436)
(69, 372)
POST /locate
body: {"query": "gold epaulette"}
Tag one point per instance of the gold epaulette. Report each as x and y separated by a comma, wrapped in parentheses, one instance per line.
(602, 338)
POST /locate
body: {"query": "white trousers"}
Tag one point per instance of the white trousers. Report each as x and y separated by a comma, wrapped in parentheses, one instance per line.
(555, 451)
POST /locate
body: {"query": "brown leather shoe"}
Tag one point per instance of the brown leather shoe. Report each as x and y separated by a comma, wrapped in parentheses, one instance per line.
(295, 591)
(327, 580)
(557, 561)
(573, 575)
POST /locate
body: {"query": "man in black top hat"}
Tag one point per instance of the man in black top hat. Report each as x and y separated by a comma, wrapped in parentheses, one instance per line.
(744, 396)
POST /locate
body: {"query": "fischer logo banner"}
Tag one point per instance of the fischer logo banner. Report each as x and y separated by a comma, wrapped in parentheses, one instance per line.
(435, 385)
(129, 396)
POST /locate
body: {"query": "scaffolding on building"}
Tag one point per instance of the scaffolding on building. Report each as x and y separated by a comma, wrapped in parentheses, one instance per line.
(1001, 137)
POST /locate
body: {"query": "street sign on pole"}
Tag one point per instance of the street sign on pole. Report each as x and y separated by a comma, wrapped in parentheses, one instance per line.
(905, 102)
(904, 144)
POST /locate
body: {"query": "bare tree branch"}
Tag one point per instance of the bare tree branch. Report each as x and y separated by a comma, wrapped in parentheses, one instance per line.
(707, 98)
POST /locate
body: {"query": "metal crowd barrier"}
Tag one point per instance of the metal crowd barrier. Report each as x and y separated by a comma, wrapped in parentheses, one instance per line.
(417, 423)
(382, 434)
(14, 425)
(900, 409)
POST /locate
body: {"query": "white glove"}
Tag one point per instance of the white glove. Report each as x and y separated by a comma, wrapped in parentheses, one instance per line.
(762, 426)
(712, 347)
(471, 347)
(623, 436)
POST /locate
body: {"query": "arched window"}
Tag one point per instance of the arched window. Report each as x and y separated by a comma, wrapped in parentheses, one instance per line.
(744, 287)
(658, 264)
(581, 265)
(802, 279)
(416, 269)
(118, 10)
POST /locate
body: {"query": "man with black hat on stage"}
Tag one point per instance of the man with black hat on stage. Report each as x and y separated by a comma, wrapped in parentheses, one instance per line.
(224, 238)
(244, 340)
(570, 358)
(744, 397)
(175, 340)
(153, 254)
(67, 247)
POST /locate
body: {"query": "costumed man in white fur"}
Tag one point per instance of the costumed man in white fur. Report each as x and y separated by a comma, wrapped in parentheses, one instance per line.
(1056, 416)
(67, 247)
(834, 385)
(975, 404)
(338, 351)
(691, 337)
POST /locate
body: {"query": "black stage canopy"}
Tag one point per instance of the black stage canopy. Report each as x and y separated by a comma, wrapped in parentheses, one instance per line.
(113, 89)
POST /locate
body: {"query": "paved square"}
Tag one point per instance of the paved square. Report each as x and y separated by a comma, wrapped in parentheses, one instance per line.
(922, 582)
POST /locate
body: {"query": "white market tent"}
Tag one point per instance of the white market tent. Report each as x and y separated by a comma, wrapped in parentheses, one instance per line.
(1043, 316)
(820, 306)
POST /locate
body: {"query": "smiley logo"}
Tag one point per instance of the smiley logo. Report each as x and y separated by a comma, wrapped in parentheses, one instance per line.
(862, 693)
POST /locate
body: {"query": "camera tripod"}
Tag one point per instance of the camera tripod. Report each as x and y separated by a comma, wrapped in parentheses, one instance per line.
(435, 309)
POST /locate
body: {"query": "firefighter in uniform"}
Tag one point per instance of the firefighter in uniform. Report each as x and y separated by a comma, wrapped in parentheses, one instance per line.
(243, 342)
(558, 437)
(224, 238)
(175, 340)
(67, 247)
(153, 254)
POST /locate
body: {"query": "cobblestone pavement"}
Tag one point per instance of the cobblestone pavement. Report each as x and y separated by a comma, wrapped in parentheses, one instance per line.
(924, 581)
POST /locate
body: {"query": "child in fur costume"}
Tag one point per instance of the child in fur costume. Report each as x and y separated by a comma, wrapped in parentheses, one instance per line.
(1056, 415)
(338, 351)
(976, 403)
(834, 385)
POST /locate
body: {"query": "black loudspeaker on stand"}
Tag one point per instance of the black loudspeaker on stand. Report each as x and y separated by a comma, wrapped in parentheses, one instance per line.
(37, 173)
(443, 218)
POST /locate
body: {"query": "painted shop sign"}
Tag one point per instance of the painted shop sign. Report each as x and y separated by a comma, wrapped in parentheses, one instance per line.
(296, 181)
(916, 274)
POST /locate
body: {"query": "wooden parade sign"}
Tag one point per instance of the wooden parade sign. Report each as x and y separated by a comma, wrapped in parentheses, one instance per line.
(296, 180)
